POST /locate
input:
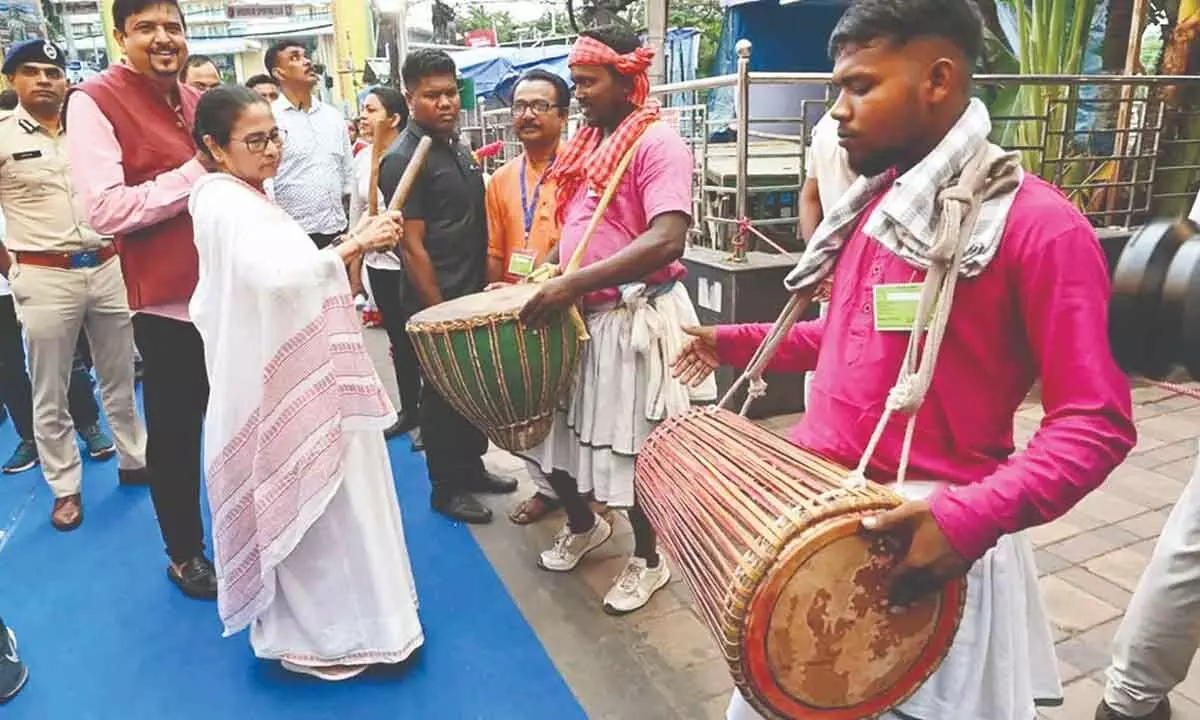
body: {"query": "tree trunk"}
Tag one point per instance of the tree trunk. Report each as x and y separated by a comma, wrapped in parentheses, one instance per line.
(1116, 35)
(1181, 56)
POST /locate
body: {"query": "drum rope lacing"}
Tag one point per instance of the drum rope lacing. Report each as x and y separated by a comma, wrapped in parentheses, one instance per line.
(959, 207)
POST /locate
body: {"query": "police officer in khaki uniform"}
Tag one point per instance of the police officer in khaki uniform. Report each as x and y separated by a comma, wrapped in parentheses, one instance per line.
(65, 277)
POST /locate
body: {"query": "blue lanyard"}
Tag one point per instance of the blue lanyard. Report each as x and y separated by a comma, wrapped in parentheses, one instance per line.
(527, 207)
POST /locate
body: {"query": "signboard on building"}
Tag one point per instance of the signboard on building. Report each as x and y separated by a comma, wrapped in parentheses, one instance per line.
(20, 20)
(243, 12)
(480, 38)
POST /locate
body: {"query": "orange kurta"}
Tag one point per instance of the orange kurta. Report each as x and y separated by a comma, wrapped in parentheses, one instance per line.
(506, 219)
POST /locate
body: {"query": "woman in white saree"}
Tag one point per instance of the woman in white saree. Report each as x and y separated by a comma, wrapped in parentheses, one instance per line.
(310, 550)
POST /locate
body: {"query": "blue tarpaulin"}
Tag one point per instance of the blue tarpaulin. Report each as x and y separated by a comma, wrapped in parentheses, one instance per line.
(791, 37)
(496, 70)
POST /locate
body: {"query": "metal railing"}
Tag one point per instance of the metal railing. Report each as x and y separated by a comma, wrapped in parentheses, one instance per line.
(1120, 147)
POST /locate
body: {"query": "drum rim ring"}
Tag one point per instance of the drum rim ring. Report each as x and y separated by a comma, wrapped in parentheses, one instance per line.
(754, 662)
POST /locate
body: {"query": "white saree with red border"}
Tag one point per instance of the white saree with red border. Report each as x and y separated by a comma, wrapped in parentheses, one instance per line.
(307, 533)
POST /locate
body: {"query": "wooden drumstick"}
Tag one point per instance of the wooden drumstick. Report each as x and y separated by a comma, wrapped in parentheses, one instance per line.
(410, 173)
(373, 191)
(577, 256)
(613, 183)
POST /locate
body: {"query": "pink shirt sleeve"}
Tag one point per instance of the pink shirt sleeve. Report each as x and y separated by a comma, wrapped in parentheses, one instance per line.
(1088, 428)
(664, 175)
(797, 353)
(113, 207)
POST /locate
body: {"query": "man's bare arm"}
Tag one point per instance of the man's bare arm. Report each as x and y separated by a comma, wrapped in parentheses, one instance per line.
(417, 264)
(810, 209)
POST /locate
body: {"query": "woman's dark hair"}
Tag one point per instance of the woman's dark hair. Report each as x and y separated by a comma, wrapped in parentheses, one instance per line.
(393, 103)
(218, 111)
(426, 62)
(901, 21)
(9, 99)
(122, 10)
(562, 93)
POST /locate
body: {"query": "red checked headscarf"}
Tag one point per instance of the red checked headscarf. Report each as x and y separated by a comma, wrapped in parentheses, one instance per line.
(589, 156)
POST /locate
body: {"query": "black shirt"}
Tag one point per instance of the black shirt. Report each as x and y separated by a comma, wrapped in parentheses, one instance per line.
(448, 196)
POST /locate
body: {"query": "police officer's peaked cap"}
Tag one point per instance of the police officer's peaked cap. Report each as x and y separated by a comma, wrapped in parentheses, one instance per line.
(36, 50)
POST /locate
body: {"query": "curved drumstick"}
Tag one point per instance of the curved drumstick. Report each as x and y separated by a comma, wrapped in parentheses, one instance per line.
(577, 257)
(605, 199)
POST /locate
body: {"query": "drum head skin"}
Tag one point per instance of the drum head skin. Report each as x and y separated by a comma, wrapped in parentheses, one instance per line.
(821, 641)
(503, 301)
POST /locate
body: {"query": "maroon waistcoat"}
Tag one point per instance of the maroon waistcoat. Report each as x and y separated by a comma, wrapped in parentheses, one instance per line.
(159, 262)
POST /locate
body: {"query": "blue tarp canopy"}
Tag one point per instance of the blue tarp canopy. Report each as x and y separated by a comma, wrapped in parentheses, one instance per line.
(496, 70)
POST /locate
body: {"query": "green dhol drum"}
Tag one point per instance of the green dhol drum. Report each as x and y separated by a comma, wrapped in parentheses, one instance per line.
(504, 377)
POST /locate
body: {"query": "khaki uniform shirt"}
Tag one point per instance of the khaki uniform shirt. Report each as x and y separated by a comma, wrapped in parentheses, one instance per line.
(39, 200)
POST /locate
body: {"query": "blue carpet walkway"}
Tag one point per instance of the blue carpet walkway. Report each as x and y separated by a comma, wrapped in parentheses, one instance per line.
(107, 636)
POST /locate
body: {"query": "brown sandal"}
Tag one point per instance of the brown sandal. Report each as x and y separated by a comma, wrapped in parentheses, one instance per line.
(67, 513)
(533, 509)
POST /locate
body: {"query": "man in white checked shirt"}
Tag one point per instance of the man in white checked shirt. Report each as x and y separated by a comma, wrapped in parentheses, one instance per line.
(316, 175)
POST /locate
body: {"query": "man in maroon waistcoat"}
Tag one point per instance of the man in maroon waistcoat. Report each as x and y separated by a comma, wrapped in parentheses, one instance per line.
(134, 163)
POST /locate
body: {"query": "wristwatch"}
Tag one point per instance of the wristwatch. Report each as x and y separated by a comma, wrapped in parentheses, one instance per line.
(341, 239)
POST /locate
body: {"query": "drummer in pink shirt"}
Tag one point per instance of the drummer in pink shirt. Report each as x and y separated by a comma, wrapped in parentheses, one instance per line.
(1036, 310)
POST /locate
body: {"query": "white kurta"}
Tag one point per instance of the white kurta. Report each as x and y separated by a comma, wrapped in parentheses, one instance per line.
(308, 540)
(622, 390)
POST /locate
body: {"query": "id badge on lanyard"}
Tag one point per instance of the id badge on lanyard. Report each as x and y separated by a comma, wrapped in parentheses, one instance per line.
(521, 263)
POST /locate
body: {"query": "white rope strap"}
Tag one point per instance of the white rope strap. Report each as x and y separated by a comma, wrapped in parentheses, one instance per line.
(959, 208)
(752, 375)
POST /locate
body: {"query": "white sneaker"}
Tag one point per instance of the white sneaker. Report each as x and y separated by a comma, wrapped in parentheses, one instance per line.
(635, 585)
(569, 548)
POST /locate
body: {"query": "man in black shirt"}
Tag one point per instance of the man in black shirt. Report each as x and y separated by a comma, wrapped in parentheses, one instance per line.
(444, 253)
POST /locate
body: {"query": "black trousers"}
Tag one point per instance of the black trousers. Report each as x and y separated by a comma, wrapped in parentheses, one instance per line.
(386, 288)
(454, 447)
(15, 389)
(175, 391)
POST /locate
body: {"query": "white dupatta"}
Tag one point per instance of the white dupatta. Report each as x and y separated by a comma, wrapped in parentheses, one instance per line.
(288, 373)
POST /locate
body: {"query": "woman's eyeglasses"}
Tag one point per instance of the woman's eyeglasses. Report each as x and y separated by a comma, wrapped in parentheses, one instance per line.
(257, 142)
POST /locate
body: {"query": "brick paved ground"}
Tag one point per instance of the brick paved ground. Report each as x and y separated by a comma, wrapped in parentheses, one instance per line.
(660, 663)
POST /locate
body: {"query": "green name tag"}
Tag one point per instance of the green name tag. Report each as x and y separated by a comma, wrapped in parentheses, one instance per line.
(520, 264)
(896, 306)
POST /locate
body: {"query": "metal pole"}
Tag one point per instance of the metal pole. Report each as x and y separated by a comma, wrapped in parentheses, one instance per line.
(401, 38)
(656, 37)
(743, 144)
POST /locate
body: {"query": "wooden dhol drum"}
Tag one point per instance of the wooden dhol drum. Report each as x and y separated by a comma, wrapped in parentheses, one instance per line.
(503, 377)
(767, 537)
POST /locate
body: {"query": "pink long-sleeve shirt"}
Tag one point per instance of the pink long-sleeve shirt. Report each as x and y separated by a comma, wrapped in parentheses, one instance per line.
(113, 207)
(1039, 310)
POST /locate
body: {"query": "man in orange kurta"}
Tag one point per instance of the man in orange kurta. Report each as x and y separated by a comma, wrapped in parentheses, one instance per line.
(521, 211)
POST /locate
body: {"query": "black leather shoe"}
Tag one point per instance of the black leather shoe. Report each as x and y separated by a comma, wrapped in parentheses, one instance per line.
(463, 508)
(196, 578)
(402, 425)
(418, 445)
(492, 484)
(138, 476)
(1162, 712)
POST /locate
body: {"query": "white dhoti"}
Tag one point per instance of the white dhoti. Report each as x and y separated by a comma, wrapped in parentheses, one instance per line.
(1001, 664)
(622, 390)
(346, 593)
